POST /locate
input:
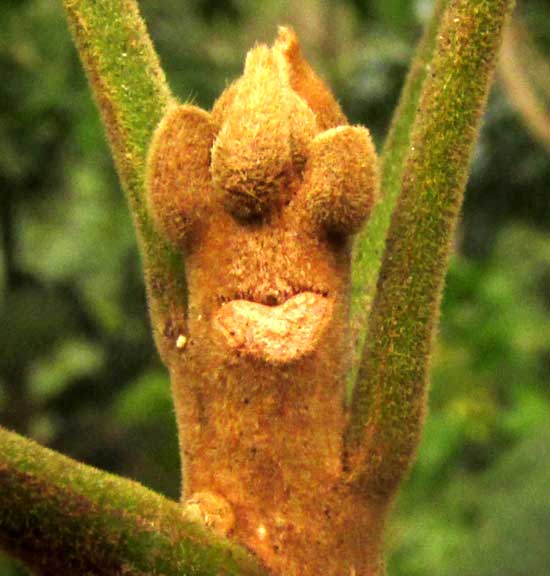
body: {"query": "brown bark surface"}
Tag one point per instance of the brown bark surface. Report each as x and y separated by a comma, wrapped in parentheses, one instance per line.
(262, 198)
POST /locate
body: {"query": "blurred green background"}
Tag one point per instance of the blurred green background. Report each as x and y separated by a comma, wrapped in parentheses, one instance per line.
(78, 369)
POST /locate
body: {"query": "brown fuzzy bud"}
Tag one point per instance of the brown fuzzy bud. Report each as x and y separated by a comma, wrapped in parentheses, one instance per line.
(263, 144)
(178, 171)
(306, 83)
(265, 129)
(251, 156)
(341, 179)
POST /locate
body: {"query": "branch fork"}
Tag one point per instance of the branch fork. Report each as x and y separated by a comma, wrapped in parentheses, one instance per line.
(246, 217)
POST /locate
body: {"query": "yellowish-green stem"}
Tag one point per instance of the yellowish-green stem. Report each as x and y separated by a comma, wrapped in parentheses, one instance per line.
(132, 95)
(62, 517)
(389, 399)
(369, 244)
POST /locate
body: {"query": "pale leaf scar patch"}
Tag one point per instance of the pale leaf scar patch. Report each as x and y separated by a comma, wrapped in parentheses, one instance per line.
(278, 334)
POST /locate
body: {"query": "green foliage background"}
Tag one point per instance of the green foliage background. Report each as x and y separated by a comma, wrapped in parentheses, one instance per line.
(78, 370)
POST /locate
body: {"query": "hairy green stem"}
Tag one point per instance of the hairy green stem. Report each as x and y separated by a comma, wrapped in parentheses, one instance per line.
(132, 95)
(62, 517)
(369, 244)
(389, 399)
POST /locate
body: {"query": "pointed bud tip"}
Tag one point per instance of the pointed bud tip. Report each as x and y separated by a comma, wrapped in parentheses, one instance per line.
(287, 42)
(259, 57)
